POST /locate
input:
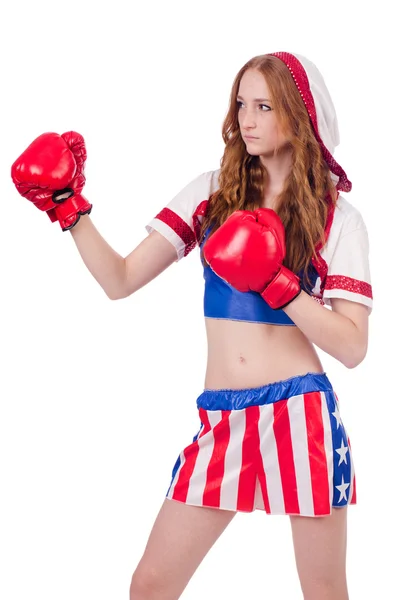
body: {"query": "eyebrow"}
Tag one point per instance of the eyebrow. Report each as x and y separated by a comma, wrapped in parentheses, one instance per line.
(255, 99)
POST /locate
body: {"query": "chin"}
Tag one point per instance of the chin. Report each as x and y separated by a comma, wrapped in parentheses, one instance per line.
(265, 152)
(255, 149)
(250, 148)
(274, 152)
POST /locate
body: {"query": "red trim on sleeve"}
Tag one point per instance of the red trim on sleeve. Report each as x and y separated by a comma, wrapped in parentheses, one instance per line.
(181, 228)
(341, 282)
(178, 225)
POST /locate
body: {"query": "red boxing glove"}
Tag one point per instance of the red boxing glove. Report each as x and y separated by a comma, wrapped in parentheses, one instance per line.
(50, 173)
(248, 250)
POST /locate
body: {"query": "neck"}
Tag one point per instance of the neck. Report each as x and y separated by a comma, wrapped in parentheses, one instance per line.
(278, 167)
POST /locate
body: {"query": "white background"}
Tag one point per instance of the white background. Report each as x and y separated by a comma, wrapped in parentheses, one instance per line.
(98, 397)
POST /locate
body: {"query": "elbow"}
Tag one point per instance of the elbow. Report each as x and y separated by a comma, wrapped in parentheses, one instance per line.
(355, 356)
(117, 288)
(115, 294)
(119, 294)
(113, 297)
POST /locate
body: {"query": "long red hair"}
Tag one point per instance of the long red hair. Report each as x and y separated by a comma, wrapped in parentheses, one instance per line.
(308, 193)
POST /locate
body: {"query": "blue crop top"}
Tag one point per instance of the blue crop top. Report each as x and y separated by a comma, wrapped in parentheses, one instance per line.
(223, 301)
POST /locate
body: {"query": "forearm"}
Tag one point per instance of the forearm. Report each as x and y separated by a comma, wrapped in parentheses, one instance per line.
(104, 263)
(335, 334)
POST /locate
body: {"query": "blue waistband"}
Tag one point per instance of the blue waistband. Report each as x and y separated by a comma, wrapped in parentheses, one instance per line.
(229, 399)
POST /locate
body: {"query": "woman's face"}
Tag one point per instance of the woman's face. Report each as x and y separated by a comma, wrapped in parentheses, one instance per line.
(258, 124)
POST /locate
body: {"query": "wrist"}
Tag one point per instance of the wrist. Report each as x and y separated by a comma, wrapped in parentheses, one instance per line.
(282, 290)
(69, 211)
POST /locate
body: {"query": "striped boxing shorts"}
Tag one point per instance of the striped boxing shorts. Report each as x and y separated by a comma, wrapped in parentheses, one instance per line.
(281, 448)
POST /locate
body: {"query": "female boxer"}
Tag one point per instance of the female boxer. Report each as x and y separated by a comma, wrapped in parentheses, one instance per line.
(277, 242)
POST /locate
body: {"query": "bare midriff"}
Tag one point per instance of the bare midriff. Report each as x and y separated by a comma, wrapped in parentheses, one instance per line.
(245, 355)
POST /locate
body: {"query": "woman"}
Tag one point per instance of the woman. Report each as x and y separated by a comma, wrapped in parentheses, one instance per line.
(274, 235)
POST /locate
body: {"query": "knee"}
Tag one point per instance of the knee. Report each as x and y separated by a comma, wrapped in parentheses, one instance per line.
(147, 585)
(324, 588)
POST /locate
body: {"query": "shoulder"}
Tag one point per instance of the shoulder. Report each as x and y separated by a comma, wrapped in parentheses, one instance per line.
(198, 190)
(348, 231)
(346, 257)
(347, 218)
(180, 219)
(206, 182)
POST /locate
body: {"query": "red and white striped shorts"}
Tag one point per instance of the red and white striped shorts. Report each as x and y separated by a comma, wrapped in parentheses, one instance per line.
(281, 448)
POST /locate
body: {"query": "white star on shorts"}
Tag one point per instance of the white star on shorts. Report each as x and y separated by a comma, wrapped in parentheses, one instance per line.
(342, 489)
(337, 416)
(342, 451)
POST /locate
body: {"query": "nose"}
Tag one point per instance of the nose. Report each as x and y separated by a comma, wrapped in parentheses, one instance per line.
(247, 118)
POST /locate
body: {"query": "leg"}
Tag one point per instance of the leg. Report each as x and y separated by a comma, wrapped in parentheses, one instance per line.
(180, 538)
(320, 553)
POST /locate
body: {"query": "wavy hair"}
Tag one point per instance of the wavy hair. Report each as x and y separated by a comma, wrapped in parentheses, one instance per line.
(308, 192)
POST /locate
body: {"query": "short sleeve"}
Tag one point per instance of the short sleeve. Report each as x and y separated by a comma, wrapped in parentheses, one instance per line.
(349, 271)
(180, 219)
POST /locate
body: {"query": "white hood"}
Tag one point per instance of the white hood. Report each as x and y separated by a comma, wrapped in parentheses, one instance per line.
(320, 108)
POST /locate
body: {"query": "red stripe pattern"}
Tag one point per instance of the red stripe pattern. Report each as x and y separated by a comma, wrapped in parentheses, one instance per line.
(187, 234)
(317, 453)
(216, 466)
(180, 227)
(250, 448)
(282, 433)
(341, 282)
(278, 457)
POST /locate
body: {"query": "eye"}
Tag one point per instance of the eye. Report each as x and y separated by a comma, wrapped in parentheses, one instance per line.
(262, 107)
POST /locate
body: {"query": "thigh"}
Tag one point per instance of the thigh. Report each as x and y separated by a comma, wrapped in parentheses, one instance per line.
(320, 550)
(180, 538)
